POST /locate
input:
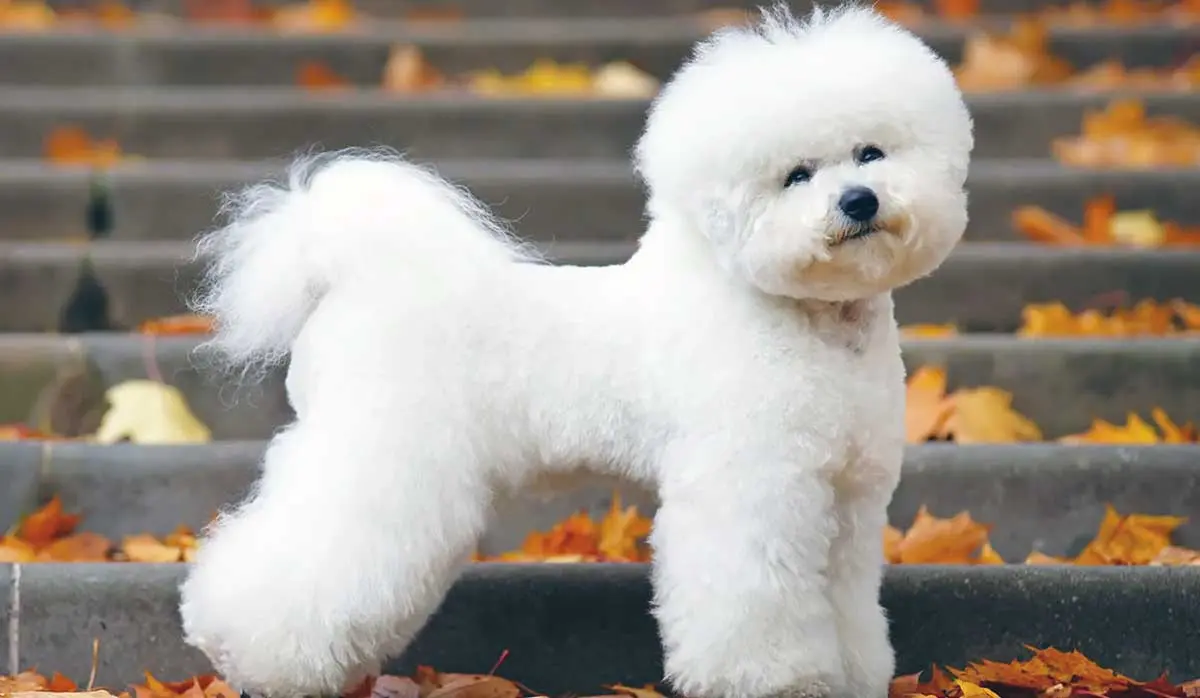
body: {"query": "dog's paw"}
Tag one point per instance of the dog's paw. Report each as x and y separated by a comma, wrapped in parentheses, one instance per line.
(266, 635)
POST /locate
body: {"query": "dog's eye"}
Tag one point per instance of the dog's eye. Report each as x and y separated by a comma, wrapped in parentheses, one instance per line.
(869, 153)
(800, 175)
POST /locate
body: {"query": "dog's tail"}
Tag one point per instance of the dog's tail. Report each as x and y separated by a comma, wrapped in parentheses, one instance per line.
(339, 216)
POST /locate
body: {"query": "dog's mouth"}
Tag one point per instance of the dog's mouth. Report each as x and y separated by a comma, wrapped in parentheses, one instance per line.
(857, 232)
(892, 225)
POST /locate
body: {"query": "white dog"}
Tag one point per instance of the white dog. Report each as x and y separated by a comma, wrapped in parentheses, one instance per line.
(745, 363)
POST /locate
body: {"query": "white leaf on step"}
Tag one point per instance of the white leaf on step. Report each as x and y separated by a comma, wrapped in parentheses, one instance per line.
(149, 412)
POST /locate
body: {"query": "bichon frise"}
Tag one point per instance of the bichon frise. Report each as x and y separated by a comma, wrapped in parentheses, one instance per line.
(744, 362)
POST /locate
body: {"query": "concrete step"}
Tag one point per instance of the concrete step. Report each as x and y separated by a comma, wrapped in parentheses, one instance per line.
(1059, 384)
(982, 286)
(581, 8)
(1041, 497)
(251, 123)
(546, 200)
(166, 56)
(572, 628)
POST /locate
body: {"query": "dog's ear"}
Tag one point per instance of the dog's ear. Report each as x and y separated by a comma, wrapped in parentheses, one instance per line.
(728, 218)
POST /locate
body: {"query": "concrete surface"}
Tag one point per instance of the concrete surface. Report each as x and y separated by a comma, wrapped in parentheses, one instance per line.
(1045, 497)
(570, 628)
(982, 286)
(543, 200)
(167, 56)
(1060, 384)
(249, 123)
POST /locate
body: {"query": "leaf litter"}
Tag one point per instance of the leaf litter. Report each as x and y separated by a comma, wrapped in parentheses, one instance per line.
(1048, 673)
(50, 534)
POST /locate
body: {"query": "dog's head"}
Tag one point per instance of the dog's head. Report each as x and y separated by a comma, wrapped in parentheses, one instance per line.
(823, 158)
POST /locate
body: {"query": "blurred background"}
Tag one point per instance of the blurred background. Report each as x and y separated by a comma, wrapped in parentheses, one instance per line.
(1054, 362)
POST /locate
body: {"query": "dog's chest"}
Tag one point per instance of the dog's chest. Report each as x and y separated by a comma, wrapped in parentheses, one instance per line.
(864, 387)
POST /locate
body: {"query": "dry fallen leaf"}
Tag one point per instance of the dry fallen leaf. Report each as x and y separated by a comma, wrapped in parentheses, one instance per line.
(26, 15)
(1019, 59)
(968, 415)
(1129, 540)
(621, 80)
(1086, 13)
(926, 405)
(985, 416)
(316, 76)
(928, 331)
(1147, 318)
(1103, 224)
(1136, 431)
(957, 540)
(72, 146)
(315, 16)
(47, 524)
(149, 412)
(1136, 539)
(407, 71)
(1123, 136)
(1050, 673)
(618, 537)
(237, 12)
(22, 432)
(177, 325)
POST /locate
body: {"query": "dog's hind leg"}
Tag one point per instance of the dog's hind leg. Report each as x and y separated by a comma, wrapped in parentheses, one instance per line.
(349, 543)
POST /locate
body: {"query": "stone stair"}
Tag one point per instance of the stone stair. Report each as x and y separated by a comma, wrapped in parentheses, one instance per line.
(212, 109)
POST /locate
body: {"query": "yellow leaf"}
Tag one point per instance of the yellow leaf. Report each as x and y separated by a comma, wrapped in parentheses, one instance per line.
(149, 412)
(146, 548)
(929, 331)
(926, 407)
(989, 556)
(1137, 228)
(623, 80)
(970, 690)
(985, 415)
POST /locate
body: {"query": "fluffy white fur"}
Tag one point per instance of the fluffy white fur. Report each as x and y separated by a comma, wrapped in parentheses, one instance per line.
(744, 362)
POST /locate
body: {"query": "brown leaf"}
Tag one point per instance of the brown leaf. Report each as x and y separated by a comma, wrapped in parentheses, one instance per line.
(146, 548)
(14, 549)
(315, 16)
(942, 541)
(48, 523)
(903, 686)
(314, 75)
(647, 691)
(59, 694)
(928, 331)
(80, 547)
(61, 684)
(475, 686)
(926, 405)
(407, 71)
(892, 537)
(387, 686)
(621, 533)
(1129, 540)
(177, 325)
(23, 682)
(220, 689)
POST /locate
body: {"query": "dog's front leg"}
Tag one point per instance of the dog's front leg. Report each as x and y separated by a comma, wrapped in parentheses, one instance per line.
(856, 570)
(741, 544)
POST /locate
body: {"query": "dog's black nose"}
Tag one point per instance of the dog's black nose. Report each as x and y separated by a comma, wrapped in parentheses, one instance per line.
(859, 204)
